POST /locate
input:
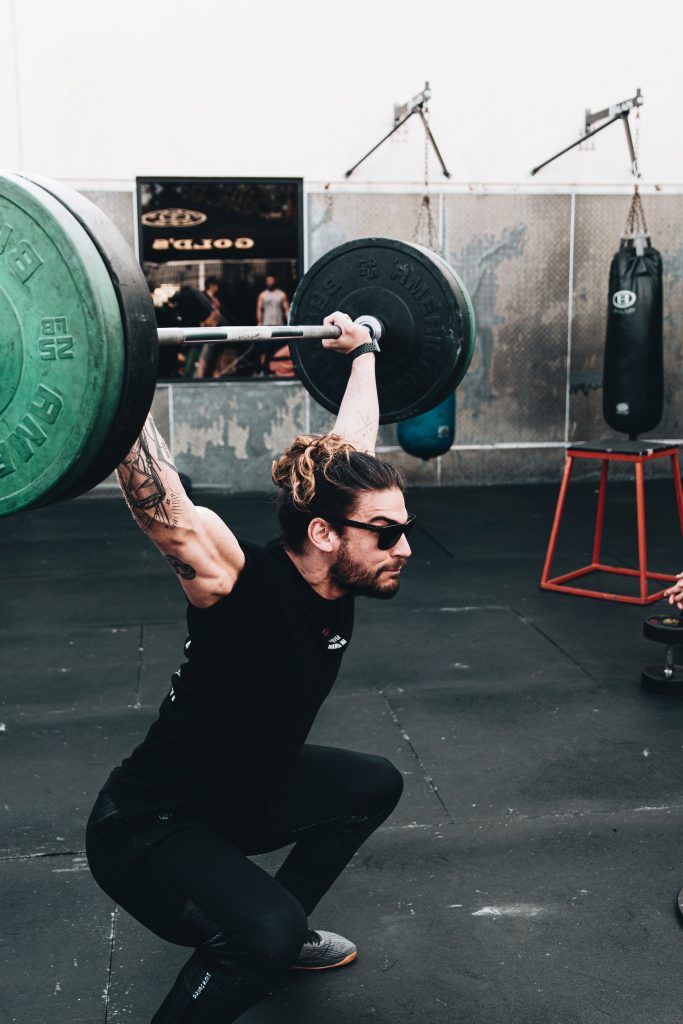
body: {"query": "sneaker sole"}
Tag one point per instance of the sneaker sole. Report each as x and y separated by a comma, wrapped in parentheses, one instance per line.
(330, 967)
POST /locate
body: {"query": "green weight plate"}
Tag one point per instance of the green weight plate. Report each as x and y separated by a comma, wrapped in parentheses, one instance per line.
(425, 311)
(139, 331)
(61, 362)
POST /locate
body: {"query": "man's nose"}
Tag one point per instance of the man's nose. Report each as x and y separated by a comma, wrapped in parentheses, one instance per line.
(402, 548)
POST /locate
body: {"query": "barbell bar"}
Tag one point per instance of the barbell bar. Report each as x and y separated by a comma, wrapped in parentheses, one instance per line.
(79, 339)
(179, 336)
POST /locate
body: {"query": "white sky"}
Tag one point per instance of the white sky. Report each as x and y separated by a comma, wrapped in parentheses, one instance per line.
(107, 91)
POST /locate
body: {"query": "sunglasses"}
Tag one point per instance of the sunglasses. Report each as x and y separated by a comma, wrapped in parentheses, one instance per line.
(387, 536)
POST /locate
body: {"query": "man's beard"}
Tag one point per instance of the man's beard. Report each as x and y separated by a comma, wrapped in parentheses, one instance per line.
(355, 579)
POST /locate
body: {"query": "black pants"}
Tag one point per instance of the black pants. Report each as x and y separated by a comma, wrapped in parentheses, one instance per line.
(192, 885)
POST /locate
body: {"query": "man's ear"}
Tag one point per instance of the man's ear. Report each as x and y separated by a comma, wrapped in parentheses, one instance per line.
(322, 535)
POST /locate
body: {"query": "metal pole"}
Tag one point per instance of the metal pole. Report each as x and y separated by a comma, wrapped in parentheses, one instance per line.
(399, 124)
(290, 332)
(629, 141)
(445, 170)
(578, 142)
(235, 335)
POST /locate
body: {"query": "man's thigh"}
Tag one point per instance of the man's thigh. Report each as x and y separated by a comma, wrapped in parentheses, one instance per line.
(329, 784)
(197, 883)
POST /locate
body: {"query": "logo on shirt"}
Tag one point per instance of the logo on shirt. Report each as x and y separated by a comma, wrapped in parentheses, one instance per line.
(172, 693)
(334, 642)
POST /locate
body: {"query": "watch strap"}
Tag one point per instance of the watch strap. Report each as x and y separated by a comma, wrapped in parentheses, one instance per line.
(368, 346)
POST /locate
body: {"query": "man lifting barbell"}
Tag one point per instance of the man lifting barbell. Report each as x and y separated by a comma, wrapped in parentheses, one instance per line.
(225, 771)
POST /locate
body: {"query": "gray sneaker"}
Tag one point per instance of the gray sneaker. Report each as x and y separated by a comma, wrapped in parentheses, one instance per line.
(323, 950)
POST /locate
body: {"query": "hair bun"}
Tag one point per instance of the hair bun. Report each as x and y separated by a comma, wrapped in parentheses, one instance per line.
(307, 455)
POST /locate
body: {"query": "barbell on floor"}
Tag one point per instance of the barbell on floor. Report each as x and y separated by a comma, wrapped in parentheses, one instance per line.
(78, 361)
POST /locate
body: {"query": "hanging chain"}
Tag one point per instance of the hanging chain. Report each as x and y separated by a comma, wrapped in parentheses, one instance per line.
(635, 221)
(425, 225)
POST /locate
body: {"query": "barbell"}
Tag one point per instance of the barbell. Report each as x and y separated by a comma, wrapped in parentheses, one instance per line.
(79, 340)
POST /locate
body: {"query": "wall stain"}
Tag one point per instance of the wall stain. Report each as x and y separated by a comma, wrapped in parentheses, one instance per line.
(285, 425)
(193, 440)
(325, 232)
(238, 439)
(478, 266)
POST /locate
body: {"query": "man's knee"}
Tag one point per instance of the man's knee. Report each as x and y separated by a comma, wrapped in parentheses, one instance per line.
(375, 789)
(387, 784)
(269, 943)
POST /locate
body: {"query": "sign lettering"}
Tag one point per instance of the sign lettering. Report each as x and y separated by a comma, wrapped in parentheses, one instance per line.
(198, 245)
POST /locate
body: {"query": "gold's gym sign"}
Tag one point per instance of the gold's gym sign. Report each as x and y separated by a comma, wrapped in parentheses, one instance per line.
(194, 244)
(179, 218)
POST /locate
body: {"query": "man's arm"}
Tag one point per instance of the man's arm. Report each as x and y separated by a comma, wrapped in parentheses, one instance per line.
(259, 310)
(285, 306)
(203, 363)
(194, 541)
(358, 416)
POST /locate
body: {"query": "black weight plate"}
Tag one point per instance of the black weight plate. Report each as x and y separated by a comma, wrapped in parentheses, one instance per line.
(469, 318)
(139, 330)
(664, 629)
(653, 679)
(427, 341)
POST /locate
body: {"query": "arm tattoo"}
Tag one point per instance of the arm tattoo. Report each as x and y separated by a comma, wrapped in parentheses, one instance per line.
(361, 430)
(140, 476)
(185, 571)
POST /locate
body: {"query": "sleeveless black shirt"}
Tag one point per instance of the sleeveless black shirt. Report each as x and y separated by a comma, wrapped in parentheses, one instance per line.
(259, 664)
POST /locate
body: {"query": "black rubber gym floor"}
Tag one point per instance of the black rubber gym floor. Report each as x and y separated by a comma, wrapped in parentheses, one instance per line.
(530, 872)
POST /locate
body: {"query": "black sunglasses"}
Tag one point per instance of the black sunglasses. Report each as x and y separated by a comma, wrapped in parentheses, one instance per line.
(387, 536)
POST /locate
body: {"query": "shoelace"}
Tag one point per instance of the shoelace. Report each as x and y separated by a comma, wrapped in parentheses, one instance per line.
(312, 938)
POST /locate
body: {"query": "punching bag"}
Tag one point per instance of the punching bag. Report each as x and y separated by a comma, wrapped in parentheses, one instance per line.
(633, 372)
(431, 433)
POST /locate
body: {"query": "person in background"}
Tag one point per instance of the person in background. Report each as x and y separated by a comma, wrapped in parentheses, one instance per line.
(272, 309)
(215, 360)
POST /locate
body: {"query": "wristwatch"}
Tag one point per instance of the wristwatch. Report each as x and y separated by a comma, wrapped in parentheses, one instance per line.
(368, 346)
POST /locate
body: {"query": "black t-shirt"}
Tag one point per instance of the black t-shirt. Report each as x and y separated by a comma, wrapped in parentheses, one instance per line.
(259, 663)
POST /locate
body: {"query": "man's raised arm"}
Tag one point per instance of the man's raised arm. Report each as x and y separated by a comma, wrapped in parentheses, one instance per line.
(358, 416)
(194, 541)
